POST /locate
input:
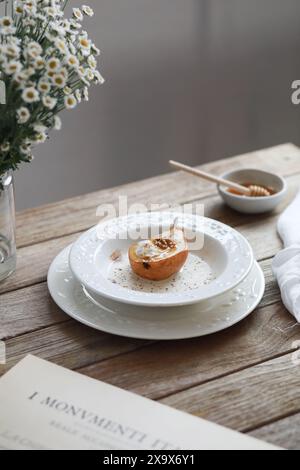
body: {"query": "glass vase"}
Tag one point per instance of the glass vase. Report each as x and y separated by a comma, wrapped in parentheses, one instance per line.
(7, 226)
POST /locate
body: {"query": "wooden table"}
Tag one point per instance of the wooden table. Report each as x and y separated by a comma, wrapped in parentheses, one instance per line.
(246, 378)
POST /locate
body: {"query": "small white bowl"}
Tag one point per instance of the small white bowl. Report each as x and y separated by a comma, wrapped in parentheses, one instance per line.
(254, 205)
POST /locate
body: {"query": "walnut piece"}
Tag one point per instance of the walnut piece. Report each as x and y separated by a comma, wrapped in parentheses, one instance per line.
(164, 243)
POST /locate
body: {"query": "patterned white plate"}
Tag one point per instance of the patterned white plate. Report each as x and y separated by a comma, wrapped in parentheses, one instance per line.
(223, 262)
(168, 323)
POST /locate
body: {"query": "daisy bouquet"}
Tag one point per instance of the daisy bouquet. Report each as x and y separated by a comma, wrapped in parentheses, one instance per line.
(47, 64)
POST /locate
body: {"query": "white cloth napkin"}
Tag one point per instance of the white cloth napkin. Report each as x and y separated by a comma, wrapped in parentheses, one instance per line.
(286, 264)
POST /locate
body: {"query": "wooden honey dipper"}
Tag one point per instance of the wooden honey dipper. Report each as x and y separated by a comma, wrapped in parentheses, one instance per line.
(252, 190)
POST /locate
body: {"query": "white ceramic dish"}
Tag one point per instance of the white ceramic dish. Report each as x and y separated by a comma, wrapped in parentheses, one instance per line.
(254, 205)
(224, 261)
(160, 323)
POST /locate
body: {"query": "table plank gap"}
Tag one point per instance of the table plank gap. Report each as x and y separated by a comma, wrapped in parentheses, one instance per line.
(284, 432)
(242, 377)
(262, 337)
(31, 307)
(68, 344)
(79, 213)
(227, 375)
(272, 421)
(34, 260)
(247, 399)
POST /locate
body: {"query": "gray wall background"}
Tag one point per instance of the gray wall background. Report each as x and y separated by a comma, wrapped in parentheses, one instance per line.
(192, 80)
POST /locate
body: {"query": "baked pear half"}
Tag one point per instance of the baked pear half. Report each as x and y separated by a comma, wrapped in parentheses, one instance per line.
(159, 258)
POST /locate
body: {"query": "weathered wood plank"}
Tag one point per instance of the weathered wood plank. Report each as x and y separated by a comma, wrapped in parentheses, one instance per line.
(31, 322)
(164, 368)
(34, 260)
(77, 214)
(68, 344)
(33, 263)
(30, 308)
(284, 433)
(246, 399)
(272, 292)
(27, 310)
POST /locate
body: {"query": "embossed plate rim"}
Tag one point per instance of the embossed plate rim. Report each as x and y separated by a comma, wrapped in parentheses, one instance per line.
(235, 245)
(68, 294)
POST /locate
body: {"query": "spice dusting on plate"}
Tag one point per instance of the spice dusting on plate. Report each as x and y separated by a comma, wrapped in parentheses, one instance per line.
(196, 273)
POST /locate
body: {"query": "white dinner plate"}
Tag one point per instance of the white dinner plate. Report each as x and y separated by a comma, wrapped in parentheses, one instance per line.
(168, 323)
(222, 263)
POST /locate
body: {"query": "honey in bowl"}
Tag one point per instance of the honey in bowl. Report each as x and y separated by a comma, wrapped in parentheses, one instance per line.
(264, 189)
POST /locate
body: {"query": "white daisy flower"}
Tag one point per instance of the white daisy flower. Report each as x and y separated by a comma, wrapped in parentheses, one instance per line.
(5, 147)
(29, 22)
(67, 90)
(67, 25)
(63, 71)
(86, 94)
(77, 14)
(49, 102)
(20, 78)
(44, 85)
(81, 70)
(50, 36)
(33, 50)
(61, 45)
(30, 7)
(51, 11)
(6, 22)
(53, 64)
(50, 74)
(87, 10)
(39, 128)
(39, 63)
(89, 74)
(29, 72)
(25, 148)
(30, 95)
(78, 96)
(15, 40)
(12, 50)
(84, 34)
(59, 80)
(40, 138)
(98, 78)
(70, 102)
(12, 67)
(18, 8)
(23, 115)
(58, 29)
(72, 61)
(57, 123)
(95, 50)
(7, 26)
(75, 25)
(35, 45)
(92, 62)
(84, 43)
